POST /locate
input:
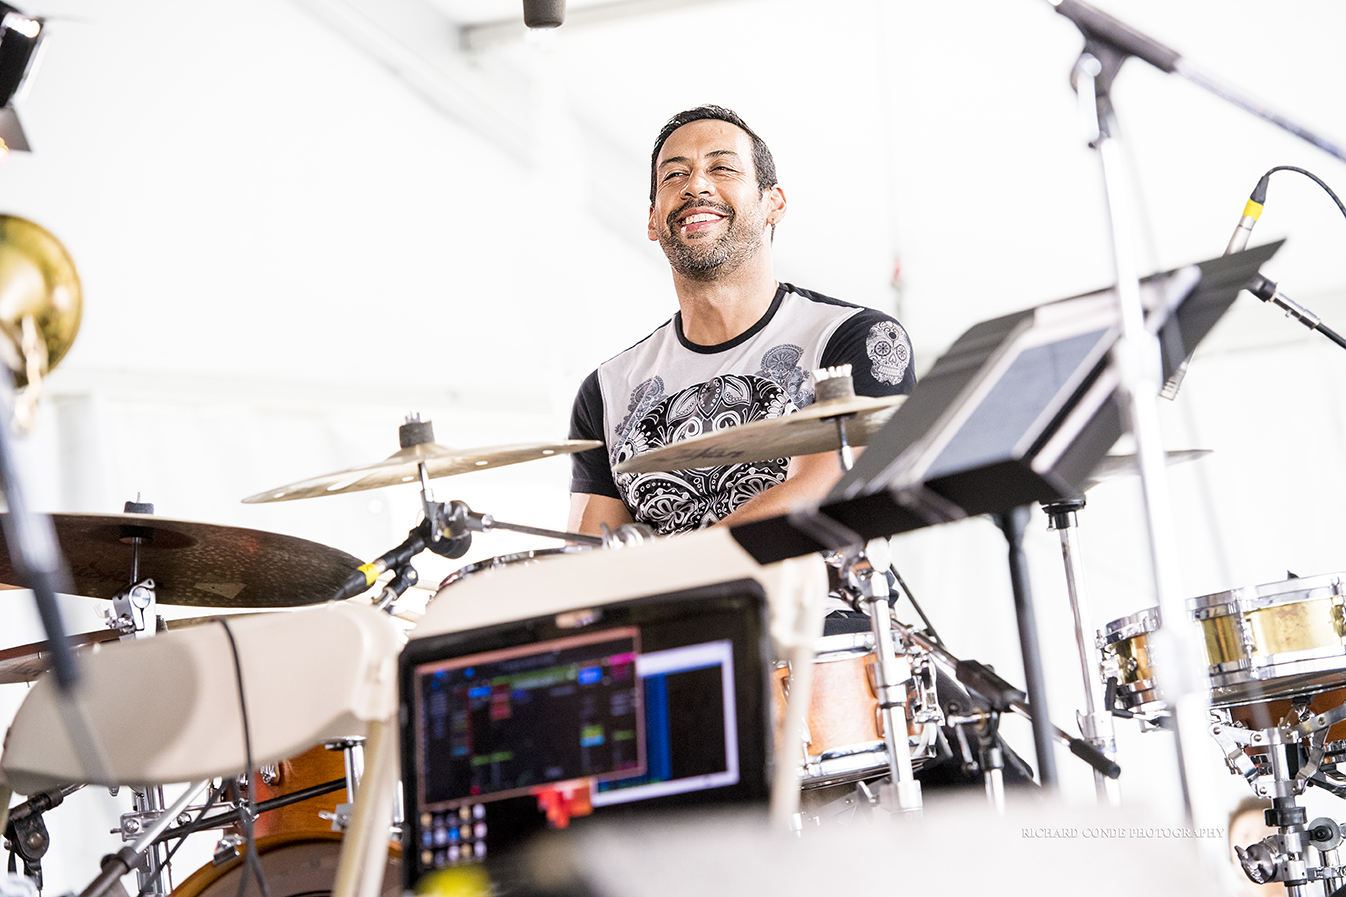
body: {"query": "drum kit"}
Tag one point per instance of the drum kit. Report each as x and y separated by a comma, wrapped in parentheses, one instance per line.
(887, 704)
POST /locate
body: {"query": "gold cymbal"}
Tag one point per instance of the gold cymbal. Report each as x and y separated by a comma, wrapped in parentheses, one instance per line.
(402, 467)
(805, 432)
(38, 282)
(195, 564)
(1112, 467)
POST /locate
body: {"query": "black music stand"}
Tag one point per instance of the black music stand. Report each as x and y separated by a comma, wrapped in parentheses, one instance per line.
(1020, 409)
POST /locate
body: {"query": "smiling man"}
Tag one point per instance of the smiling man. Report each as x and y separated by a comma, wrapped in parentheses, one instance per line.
(741, 347)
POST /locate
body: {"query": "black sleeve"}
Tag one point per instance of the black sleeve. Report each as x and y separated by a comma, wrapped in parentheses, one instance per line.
(590, 471)
(878, 351)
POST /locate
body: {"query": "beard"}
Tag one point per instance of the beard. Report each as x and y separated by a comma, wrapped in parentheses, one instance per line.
(708, 258)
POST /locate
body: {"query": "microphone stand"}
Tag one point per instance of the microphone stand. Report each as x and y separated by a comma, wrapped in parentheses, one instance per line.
(1108, 42)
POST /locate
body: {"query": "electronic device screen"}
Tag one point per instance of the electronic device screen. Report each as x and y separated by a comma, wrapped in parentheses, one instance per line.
(544, 724)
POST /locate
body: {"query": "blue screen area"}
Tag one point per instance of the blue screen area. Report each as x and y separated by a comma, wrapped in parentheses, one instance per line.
(691, 739)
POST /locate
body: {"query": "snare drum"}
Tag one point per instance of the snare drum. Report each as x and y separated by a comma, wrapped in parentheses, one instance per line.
(1277, 640)
(294, 865)
(844, 729)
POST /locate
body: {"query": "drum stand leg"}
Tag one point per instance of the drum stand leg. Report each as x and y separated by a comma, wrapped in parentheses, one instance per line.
(902, 793)
(1095, 725)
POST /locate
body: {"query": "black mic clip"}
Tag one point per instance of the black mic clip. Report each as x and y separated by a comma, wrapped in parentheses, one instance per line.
(447, 529)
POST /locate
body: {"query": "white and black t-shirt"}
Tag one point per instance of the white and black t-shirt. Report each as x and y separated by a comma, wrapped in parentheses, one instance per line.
(665, 389)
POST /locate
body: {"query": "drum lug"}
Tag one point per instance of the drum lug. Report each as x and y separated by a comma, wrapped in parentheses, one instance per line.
(340, 819)
(269, 773)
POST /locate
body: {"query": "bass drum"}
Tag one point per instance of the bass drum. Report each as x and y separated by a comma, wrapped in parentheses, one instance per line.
(537, 555)
(298, 864)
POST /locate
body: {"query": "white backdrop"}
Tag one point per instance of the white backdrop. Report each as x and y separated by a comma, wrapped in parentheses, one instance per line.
(298, 221)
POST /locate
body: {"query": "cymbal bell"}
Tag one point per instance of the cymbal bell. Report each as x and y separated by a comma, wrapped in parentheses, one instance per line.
(195, 564)
(403, 467)
(805, 432)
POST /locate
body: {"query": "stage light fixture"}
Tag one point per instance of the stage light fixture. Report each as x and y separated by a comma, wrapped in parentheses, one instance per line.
(20, 37)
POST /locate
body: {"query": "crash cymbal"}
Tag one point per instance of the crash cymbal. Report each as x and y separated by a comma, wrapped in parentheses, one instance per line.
(198, 564)
(1114, 466)
(804, 432)
(26, 662)
(402, 467)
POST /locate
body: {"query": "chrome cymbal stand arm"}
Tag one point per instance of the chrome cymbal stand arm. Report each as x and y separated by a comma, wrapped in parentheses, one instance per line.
(844, 453)
(836, 383)
(891, 676)
(1095, 725)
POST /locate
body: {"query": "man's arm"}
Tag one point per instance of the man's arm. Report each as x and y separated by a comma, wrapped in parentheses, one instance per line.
(587, 512)
(809, 479)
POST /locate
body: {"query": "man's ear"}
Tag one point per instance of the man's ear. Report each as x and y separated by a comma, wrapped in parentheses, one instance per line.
(776, 209)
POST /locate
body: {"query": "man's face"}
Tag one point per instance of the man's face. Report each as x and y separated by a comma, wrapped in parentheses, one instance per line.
(708, 214)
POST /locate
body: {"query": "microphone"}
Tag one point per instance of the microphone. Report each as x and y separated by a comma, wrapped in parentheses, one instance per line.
(450, 544)
(1251, 212)
(544, 13)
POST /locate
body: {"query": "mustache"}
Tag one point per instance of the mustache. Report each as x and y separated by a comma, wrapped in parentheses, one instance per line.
(717, 207)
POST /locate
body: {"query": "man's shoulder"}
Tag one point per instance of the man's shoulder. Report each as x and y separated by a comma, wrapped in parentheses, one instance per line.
(645, 344)
(820, 298)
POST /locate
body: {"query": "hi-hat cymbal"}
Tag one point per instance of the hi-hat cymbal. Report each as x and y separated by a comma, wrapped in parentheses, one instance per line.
(197, 564)
(805, 432)
(1112, 467)
(402, 467)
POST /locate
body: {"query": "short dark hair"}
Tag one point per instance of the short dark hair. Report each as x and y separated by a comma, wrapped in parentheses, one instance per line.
(761, 155)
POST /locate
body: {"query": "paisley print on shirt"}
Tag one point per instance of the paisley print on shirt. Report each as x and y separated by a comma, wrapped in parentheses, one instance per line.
(680, 500)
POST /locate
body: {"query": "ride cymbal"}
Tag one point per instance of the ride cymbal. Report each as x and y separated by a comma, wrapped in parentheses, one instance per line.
(805, 432)
(403, 467)
(195, 564)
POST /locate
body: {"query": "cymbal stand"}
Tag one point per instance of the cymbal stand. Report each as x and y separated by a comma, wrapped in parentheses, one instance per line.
(902, 793)
(455, 518)
(134, 610)
(1096, 725)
